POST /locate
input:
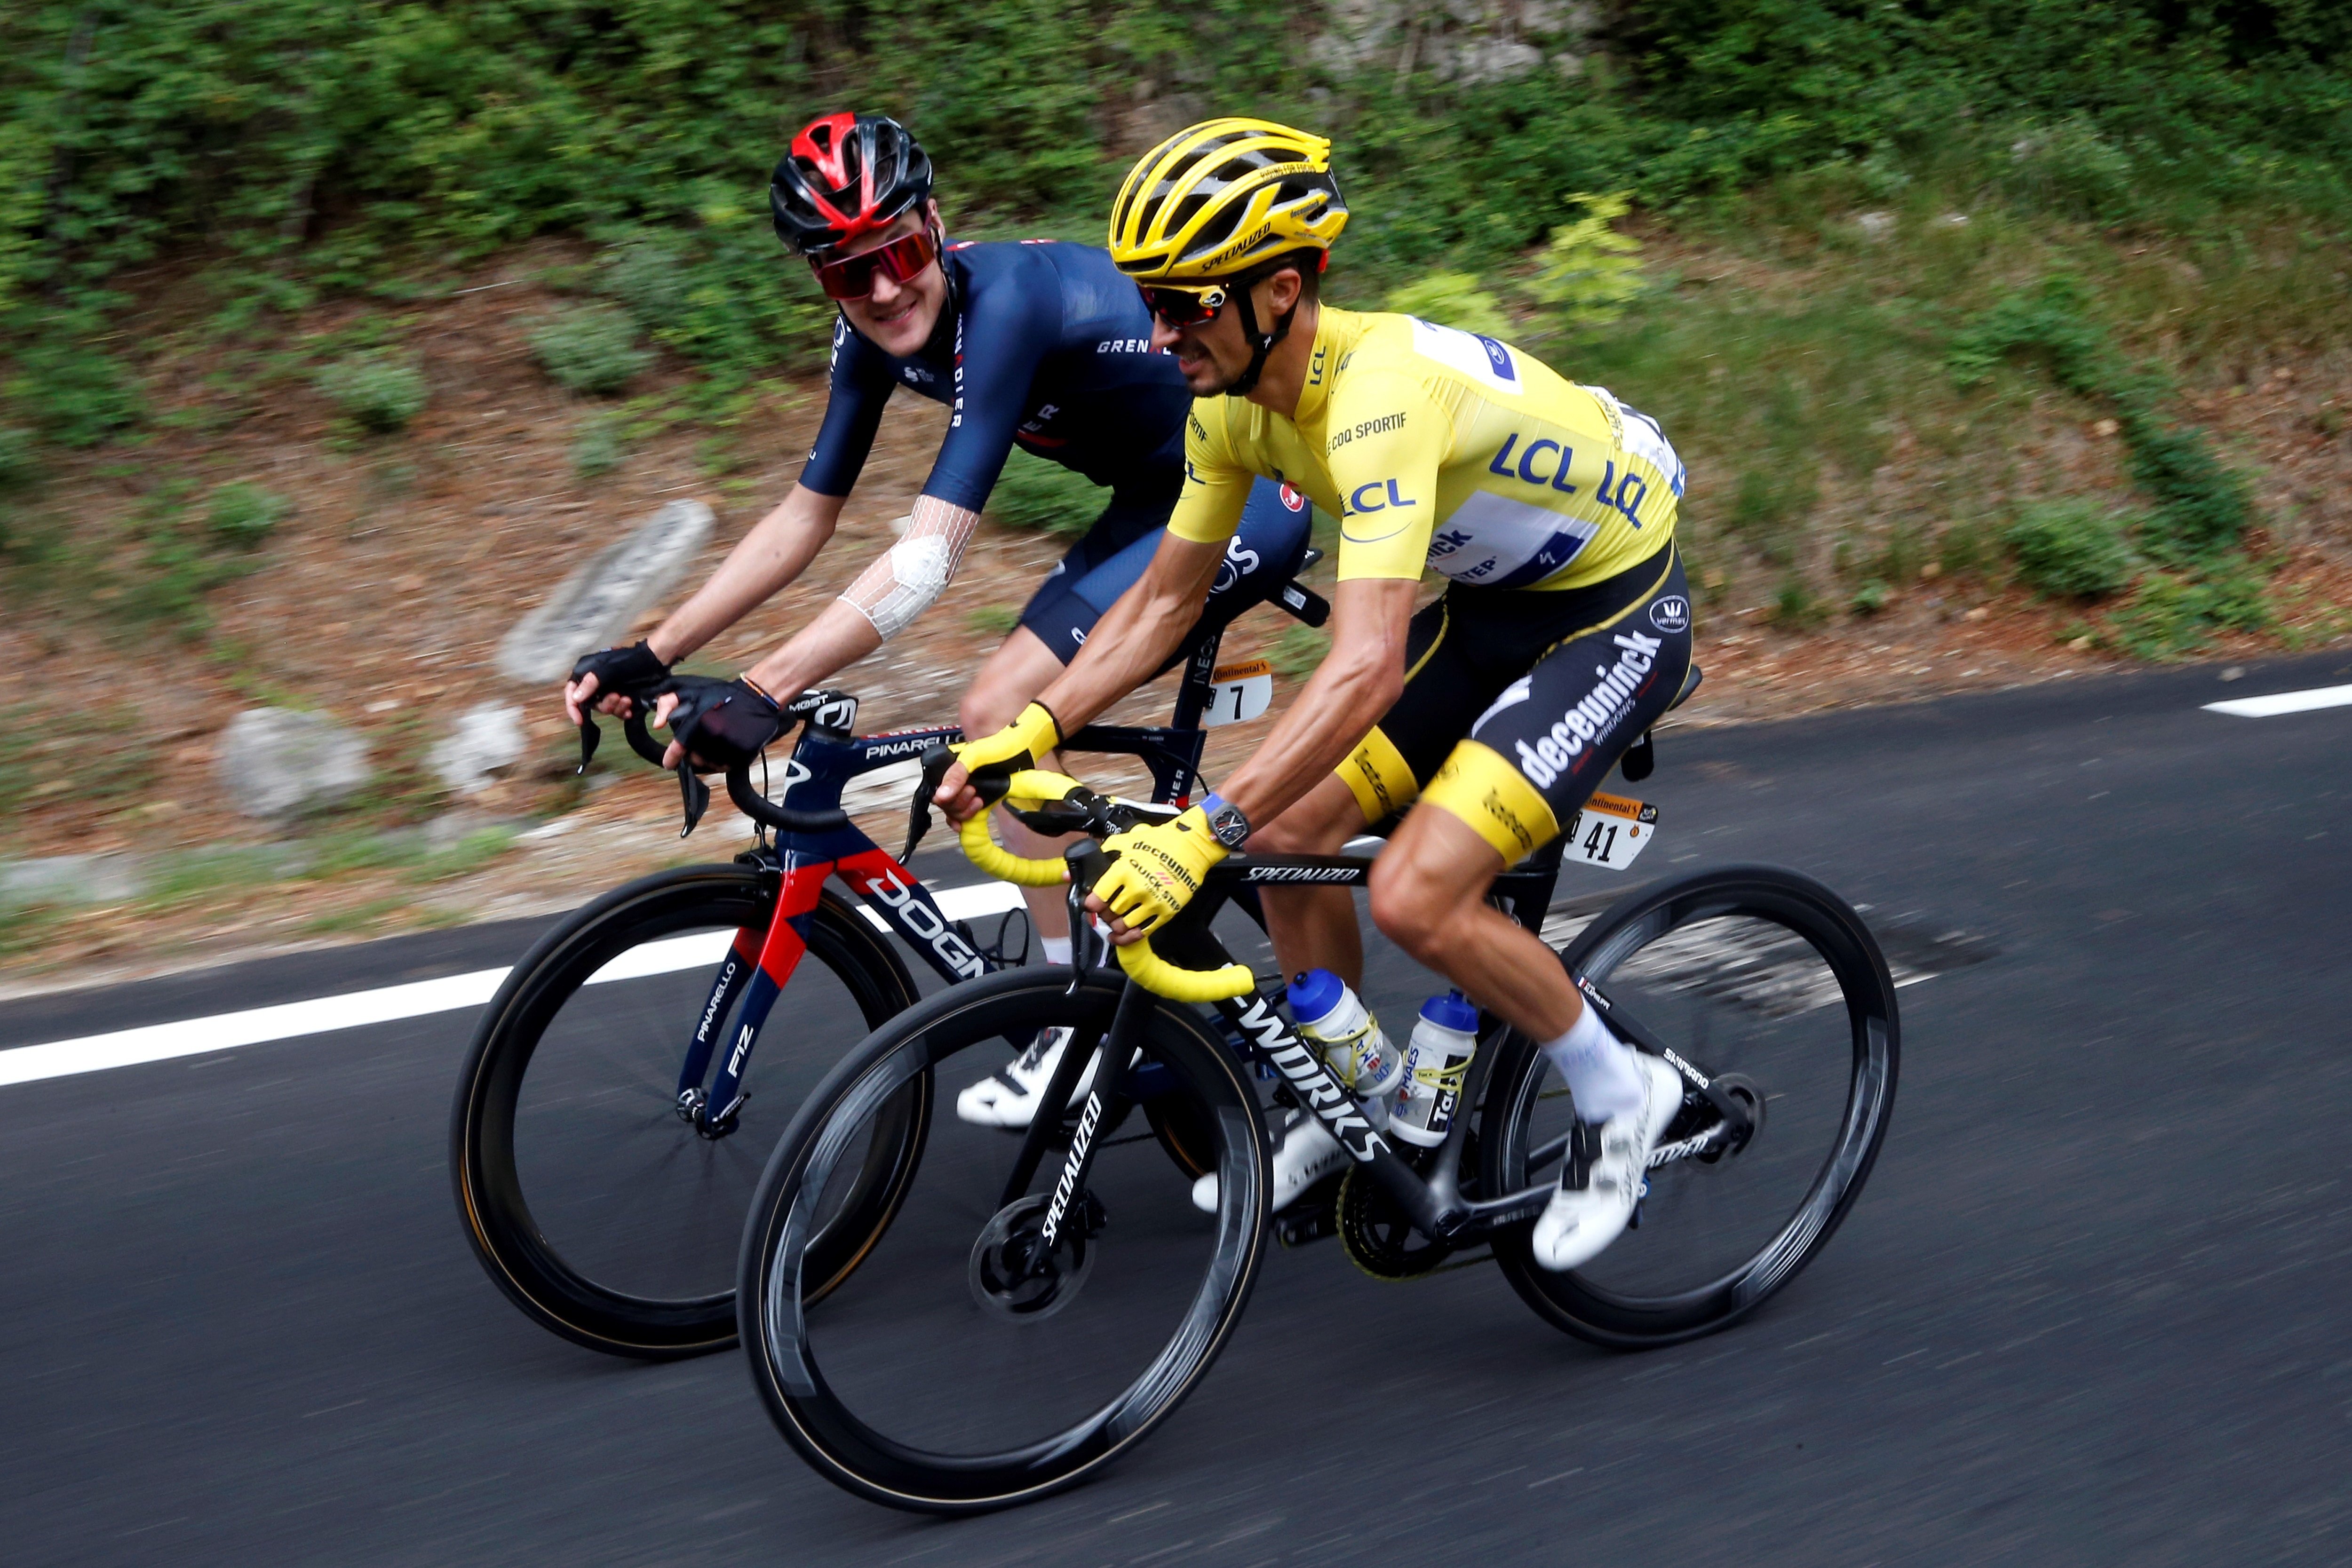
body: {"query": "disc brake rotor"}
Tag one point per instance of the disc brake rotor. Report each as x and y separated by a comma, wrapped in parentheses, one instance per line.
(1015, 1274)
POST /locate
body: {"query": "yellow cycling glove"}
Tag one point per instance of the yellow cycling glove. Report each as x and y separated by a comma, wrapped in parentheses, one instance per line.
(1161, 867)
(1018, 745)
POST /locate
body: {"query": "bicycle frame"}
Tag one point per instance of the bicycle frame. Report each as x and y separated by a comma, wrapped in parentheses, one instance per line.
(759, 965)
(1434, 1203)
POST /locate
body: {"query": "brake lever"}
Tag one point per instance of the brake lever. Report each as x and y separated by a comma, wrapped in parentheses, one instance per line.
(694, 795)
(937, 761)
(1087, 862)
(589, 735)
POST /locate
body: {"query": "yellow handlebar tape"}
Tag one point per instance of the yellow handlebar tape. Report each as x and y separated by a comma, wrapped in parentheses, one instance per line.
(1161, 978)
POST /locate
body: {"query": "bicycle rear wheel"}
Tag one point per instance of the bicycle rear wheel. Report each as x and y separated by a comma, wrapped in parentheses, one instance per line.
(1772, 987)
(600, 1210)
(954, 1371)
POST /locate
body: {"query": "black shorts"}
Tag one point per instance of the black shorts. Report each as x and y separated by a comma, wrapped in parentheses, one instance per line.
(1264, 554)
(1516, 704)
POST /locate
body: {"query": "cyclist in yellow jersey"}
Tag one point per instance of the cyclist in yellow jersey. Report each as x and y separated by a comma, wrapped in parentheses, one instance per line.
(1564, 631)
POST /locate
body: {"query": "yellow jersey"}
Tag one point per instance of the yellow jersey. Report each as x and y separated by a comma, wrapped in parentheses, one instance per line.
(1444, 449)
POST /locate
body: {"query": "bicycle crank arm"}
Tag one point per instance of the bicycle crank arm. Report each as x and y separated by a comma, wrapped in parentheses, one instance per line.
(1629, 1027)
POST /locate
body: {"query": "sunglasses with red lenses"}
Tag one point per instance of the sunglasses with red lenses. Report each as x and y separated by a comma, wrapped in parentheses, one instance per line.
(852, 277)
(1182, 307)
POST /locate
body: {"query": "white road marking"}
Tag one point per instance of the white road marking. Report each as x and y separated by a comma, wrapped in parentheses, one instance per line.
(390, 1004)
(2283, 702)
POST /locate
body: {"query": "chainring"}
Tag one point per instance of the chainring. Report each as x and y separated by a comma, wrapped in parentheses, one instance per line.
(1378, 1237)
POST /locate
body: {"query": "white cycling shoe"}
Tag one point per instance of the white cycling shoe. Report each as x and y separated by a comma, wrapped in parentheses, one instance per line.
(1008, 1099)
(1308, 1155)
(1601, 1179)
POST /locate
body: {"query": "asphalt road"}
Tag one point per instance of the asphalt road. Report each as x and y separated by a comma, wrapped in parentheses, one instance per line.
(2091, 1308)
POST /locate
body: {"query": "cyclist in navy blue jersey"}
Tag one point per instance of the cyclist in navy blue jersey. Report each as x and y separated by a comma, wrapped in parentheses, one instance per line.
(1037, 343)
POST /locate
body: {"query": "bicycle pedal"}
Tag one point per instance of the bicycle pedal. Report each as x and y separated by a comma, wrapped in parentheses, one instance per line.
(1293, 1228)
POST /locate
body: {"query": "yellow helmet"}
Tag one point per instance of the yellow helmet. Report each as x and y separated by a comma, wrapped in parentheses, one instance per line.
(1223, 196)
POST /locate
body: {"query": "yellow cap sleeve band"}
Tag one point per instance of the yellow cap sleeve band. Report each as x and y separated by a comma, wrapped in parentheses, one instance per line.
(1376, 773)
(1481, 788)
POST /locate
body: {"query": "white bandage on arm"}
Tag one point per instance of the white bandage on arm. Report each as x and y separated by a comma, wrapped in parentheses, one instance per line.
(912, 573)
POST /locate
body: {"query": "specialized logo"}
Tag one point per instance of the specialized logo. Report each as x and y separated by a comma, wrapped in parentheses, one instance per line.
(1312, 1079)
(918, 916)
(1558, 752)
(1079, 1144)
(1671, 612)
(1303, 873)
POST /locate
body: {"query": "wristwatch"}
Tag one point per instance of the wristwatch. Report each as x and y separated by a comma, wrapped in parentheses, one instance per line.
(1227, 826)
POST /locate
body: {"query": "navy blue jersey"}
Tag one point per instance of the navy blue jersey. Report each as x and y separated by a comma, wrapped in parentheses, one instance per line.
(1044, 343)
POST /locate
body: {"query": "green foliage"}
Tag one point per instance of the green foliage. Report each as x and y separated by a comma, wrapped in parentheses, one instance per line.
(1588, 272)
(2069, 550)
(993, 620)
(75, 392)
(18, 466)
(377, 390)
(2169, 615)
(1795, 607)
(597, 449)
(242, 514)
(1033, 492)
(1870, 598)
(1451, 299)
(1298, 650)
(590, 348)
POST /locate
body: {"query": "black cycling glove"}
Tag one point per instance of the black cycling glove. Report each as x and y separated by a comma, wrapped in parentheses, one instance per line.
(632, 672)
(721, 723)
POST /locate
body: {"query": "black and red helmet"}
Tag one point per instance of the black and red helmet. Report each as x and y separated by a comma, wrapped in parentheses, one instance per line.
(846, 175)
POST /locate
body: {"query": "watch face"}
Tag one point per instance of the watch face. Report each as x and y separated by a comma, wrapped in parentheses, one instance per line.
(1230, 826)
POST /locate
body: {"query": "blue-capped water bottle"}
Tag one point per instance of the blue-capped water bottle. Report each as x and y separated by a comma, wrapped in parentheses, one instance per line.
(1332, 1020)
(1444, 1038)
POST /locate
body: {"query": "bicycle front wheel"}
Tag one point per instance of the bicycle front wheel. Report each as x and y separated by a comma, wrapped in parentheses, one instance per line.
(1002, 1338)
(1772, 987)
(602, 1213)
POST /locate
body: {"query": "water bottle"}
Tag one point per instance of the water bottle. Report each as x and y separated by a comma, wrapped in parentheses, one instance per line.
(1443, 1040)
(1331, 1019)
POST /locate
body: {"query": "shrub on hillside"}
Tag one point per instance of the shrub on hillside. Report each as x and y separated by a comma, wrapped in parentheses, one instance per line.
(2069, 550)
(591, 349)
(1033, 493)
(1451, 299)
(1590, 271)
(243, 514)
(379, 391)
(17, 465)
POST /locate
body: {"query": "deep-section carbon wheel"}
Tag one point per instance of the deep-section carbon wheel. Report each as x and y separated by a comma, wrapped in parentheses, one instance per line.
(985, 1352)
(1771, 986)
(604, 1214)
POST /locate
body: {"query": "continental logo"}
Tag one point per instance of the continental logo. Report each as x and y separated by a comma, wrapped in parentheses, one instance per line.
(1357, 432)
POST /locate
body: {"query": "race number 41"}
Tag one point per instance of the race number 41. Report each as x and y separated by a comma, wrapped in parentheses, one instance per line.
(1243, 692)
(1611, 831)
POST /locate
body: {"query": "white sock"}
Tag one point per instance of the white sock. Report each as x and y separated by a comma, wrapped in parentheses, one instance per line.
(1058, 949)
(1599, 1067)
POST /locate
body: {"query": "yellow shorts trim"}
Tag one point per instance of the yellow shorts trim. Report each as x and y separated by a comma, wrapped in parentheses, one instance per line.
(1377, 775)
(1480, 786)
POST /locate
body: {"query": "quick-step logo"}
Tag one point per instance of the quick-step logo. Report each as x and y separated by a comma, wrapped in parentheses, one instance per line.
(1312, 1079)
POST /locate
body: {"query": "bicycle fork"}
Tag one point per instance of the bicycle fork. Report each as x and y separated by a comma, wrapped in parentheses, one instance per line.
(757, 982)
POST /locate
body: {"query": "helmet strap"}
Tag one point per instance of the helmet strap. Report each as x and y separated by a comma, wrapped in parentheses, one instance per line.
(1261, 342)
